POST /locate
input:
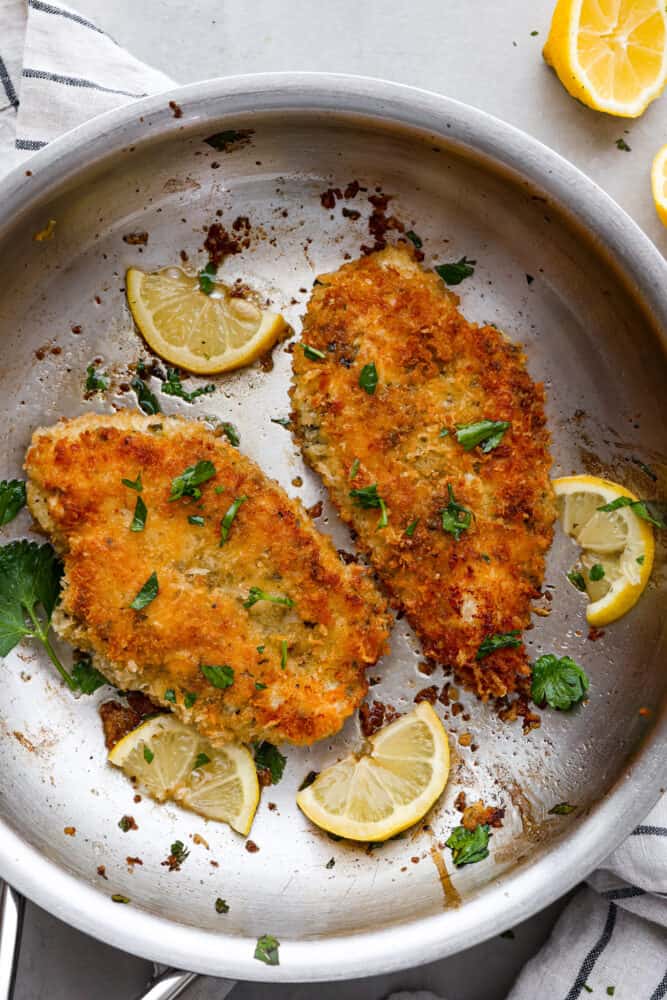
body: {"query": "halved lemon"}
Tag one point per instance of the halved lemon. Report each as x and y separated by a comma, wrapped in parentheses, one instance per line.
(610, 56)
(170, 760)
(386, 787)
(203, 333)
(616, 546)
(659, 183)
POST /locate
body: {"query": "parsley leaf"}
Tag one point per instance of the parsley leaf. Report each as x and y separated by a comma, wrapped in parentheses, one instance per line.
(455, 273)
(86, 677)
(267, 950)
(140, 515)
(638, 506)
(499, 640)
(133, 484)
(283, 421)
(205, 276)
(596, 572)
(410, 530)
(487, 433)
(148, 755)
(577, 580)
(368, 378)
(146, 400)
(221, 906)
(201, 760)
(231, 433)
(222, 140)
(469, 846)
(354, 468)
(269, 758)
(562, 809)
(174, 387)
(94, 381)
(366, 497)
(29, 581)
(312, 353)
(170, 696)
(196, 519)
(148, 593)
(560, 683)
(256, 594)
(455, 518)
(414, 239)
(226, 523)
(220, 677)
(12, 499)
(622, 145)
(283, 654)
(189, 481)
(179, 852)
(189, 699)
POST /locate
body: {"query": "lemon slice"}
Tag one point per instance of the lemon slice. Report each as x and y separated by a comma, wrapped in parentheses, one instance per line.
(610, 56)
(199, 332)
(388, 786)
(659, 183)
(167, 760)
(618, 541)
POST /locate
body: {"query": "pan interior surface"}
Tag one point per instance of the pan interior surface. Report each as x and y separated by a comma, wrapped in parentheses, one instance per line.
(542, 280)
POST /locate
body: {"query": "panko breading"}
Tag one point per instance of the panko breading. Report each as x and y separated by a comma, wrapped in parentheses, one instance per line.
(434, 371)
(298, 671)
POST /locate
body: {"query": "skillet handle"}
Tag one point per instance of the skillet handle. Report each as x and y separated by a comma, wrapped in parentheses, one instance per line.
(167, 986)
(12, 905)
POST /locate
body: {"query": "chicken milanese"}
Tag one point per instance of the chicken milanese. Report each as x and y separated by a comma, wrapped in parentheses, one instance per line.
(430, 436)
(192, 577)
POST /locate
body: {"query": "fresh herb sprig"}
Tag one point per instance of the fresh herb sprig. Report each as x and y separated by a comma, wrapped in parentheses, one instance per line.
(269, 758)
(559, 683)
(189, 481)
(499, 640)
(638, 507)
(486, 433)
(456, 272)
(469, 846)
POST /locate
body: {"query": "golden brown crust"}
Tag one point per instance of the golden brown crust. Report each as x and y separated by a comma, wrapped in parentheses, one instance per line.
(436, 371)
(338, 624)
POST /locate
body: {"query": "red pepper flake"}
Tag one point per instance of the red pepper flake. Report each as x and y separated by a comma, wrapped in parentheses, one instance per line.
(251, 847)
(69, 831)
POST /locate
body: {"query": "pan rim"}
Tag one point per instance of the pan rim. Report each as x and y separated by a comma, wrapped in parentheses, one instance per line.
(530, 887)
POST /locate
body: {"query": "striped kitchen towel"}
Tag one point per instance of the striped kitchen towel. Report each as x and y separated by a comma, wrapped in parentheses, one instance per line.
(58, 69)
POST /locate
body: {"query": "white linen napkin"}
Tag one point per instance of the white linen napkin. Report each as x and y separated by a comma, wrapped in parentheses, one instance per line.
(57, 69)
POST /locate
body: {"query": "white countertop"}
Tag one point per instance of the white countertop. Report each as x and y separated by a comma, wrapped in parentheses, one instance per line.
(483, 54)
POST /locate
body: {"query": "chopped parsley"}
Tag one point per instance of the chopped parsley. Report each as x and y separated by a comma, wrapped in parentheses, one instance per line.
(414, 239)
(455, 518)
(640, 560)
(95, 382)
(269, 758)
(86, 677)
(226, 523)
(189, 481)
(170, 696)
(148, 593)
(577, 580)
(596, 572)
(499, 640)
(560, 683)
(283, 421)
(366, 497)
(455, 273)
(206, 276)
(354, 468)
(149, 756)
(140, 515)
(174, 387)
(411, 528)
(221, 906)
(256, 594)
(133, 484)
(231, 433)
(146, 400)
(189, 699)
(30, 577)
(487, 433)
(562, 809)
(178, 854)
(308, 780)
(638, 506)
(622, 144)
(443, 433)
(283, 654)
(118, 898)
(266, 950)
(220, 677)
(469, 846)
(126, 823)
(12, 499)
(312, 353)
(201, 760)
(196, 519)
(259, 686)
(368, 379)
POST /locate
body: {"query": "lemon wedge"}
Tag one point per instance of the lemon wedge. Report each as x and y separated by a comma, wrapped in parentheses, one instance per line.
(169, 760)
(659, 183)
(616, 546)
(386, 787)
(203, 333)
(610, 56)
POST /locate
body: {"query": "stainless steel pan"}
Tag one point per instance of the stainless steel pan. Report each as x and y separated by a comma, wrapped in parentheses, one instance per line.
(593, 321)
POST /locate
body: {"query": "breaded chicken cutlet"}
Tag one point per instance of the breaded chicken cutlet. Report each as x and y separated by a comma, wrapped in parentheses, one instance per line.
(250, 626)
(387, 382)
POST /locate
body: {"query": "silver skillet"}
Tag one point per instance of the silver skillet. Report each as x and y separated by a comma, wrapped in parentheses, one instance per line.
(560, 268)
